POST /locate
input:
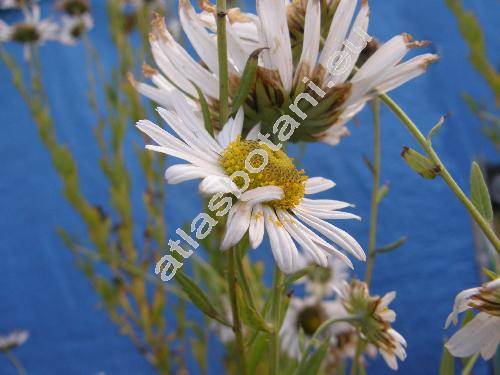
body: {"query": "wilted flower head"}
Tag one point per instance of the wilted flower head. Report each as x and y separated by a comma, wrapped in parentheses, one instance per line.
(13, 340)
(375, 320)
(305, 316)
(324, 281)
(73, 28)
(308, 54)
(482, 333)
(31, 31)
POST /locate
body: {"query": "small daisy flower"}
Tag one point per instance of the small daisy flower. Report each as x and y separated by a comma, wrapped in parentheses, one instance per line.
(13, 340)
(269, 191)
(308, 66)
(325, 281)
(305, 316)
(482, 333)
(375, 321)
(73, 28)
(74, 8)
(32, 31)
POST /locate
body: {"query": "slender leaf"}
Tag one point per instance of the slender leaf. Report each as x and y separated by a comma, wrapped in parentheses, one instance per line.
(479, 192)
(247, 80)
(447, 366)
(207, 119)
(312, 364)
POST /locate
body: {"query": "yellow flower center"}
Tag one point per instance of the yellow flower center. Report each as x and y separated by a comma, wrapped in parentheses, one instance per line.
(279, 170)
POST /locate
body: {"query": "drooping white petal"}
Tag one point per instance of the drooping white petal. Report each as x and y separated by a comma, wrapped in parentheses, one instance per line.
(284, 250)
(474, 336)
(338, 30)
(460, 305)
(237, 224)
(274, 27)
(256, 229)
(312, 31)
(315, 185)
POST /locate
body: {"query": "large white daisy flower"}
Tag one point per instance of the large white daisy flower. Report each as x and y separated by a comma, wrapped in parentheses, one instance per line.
(31, 31)
(269, 195)
(285, 77)
(482, 333)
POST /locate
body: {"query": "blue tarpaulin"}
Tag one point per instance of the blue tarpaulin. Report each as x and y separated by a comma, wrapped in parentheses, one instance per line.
(42, 291)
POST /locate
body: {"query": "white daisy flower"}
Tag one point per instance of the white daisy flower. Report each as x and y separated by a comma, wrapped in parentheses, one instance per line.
(325, 281)
(32, 31)
(285, 77)
(74, 8)
(307, 315)
(73, 28)
(482, 333)
(270, 191)
(375, 325)
(13, 340)
(14, 4)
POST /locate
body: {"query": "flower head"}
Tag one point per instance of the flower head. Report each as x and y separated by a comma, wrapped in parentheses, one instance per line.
(74, 8)
(308, 67)
(13, 340)
(375, 320)
(73, 28)
(263, 189)
(31, 31)
(482, 333)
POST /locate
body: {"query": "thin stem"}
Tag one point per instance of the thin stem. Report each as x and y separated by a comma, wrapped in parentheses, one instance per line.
(275, 335)
(356, 359)
(470, 364)
(222, 55)
(372, 239)
(231, 281)
(15, 361)
(445, 175)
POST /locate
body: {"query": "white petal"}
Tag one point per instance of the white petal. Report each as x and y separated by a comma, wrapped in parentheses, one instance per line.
(262, 194)
(476, 334)
(252, 134)
(256, 229)
(338, 30)
(312, 30)
(184, 172)
(316, 185)
(460, 305)
(274, 26)
(217, 184)
(237, 224)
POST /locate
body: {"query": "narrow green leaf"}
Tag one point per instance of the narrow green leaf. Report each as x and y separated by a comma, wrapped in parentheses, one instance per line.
(392, 246)
(297, 276)
(250, 316)
(311, 365)
(199, 298)
(490, 274)
(257, 351)
(247, 80)
(384, 190)
(207, 119)
(420, 163)
(435, 129)
(479, 192)
(447, 366)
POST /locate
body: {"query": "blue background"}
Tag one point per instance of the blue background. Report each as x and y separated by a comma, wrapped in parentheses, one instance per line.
(42, 291)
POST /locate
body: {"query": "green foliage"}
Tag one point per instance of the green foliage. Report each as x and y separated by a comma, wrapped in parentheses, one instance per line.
(479, 192)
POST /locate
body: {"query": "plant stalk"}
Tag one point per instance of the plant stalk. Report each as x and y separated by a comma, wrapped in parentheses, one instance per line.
(372, 239)
(445, 175)
(275, 335)
(237, 328)
(222, 57)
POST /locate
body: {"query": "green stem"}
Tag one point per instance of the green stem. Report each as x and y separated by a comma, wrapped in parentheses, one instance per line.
(445, 175)
(16, 362)
(372, 239)
(470, 364)
(275, 335)
(222, 55)
(238, 332)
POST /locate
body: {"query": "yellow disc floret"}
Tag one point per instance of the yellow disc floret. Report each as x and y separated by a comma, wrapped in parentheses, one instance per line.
(278, 171)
